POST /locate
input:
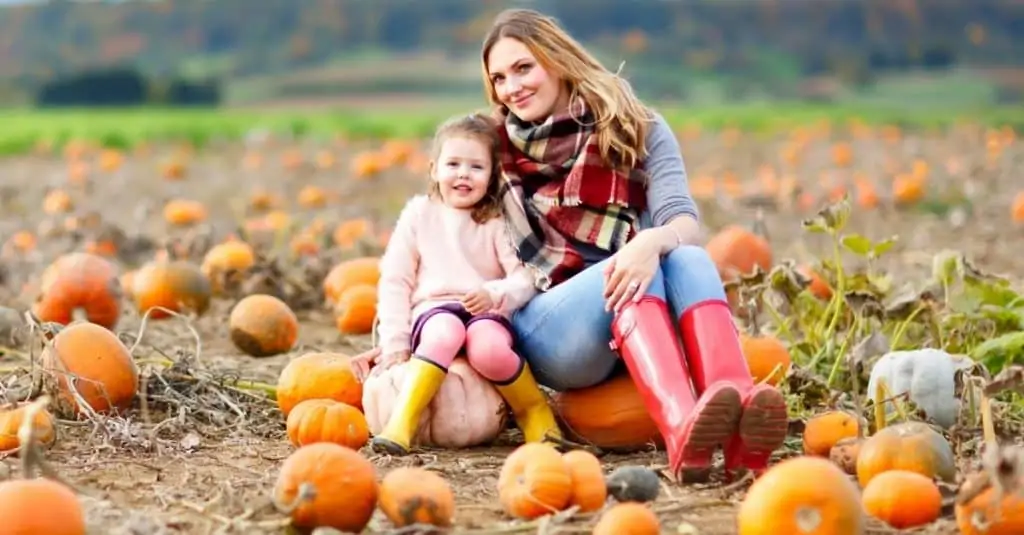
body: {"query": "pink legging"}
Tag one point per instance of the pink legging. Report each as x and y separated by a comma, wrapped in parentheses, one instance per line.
(488, 345)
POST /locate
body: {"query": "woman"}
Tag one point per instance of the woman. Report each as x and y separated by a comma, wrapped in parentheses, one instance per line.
(597, 203)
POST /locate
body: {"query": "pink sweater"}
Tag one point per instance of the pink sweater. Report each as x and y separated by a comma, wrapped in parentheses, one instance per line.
(436, 255)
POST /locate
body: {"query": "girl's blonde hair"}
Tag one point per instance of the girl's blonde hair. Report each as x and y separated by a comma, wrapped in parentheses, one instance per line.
(482, 128)
(621, 119)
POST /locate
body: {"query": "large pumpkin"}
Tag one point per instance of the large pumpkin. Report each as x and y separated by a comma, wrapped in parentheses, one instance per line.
(80, 286)
(349, 273)
(318, 376)
(467, 410)
(912, 446)
(11, 418)
(610, 415)
(179, 286)
(40, 505)
(97, 363)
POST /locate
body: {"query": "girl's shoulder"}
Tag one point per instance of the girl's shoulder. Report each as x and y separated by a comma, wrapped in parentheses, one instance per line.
(416, 207)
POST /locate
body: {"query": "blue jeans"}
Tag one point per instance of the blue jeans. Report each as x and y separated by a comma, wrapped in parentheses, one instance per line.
(564, 333)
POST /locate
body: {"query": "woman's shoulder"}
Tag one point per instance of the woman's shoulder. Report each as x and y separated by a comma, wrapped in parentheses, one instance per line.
(658, 130)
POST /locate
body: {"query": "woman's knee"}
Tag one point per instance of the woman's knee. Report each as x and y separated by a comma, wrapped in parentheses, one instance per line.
(489, 350)
(441, 338)
(691, 276)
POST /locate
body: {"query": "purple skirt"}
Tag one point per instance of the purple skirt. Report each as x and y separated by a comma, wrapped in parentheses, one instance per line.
(460, 312)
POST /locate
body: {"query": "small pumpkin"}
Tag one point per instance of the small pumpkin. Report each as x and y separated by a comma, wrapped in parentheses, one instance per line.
(823, 431)
(630, 518)
(589, 490)
(982, 509)
(737, 251)
(11, 418)
(104, 373)
(326, 420)
(225, 264)
(176, 285)
(782, 501)
(414, 496)
(262, 325)
(610, 415)
(534, 481)
(80, 286)
(912, 446)
(356, 309)
(40, 505)
(902, 499)
(318, 376)
(818, 286)
(183, 212)
(349, 273)
(327, 485)
(767, 358)
(466, 411)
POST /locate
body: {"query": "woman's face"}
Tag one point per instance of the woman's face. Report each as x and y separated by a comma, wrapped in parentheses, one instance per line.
(521, 83)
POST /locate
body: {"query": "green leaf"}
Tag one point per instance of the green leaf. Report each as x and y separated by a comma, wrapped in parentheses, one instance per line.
(884, 246)
(857, 244)
(1000, 351)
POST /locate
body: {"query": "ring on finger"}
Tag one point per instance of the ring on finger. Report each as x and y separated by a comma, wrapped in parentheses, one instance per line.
(634, 286)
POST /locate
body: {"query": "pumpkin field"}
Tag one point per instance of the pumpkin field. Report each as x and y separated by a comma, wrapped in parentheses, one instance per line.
(204, 281)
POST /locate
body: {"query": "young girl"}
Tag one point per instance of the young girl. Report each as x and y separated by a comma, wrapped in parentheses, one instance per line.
(450, 280)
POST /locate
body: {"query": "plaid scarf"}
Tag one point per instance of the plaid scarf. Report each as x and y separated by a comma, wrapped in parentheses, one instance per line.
(558, 190)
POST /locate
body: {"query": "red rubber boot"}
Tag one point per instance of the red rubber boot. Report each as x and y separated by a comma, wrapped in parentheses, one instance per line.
(712, 346)
(692, 428)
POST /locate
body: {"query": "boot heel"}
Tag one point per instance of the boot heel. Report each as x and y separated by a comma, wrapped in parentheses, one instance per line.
(383, 445)
(762, 430)
(710, 425)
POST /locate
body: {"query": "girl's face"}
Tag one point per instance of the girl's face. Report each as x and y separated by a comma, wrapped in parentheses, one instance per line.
(521, 83)
(462, 171)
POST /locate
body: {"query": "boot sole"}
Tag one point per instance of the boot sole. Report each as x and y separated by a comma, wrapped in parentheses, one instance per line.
(389, 447)
(762, 427)
(714, 422)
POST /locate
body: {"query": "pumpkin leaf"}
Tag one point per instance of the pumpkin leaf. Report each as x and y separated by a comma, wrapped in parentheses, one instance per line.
(857, 244)
(944, 266)
(884, 246)
(830, 219)
(997, 353)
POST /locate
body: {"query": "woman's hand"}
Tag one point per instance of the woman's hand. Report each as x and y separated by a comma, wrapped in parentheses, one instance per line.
(630, 271)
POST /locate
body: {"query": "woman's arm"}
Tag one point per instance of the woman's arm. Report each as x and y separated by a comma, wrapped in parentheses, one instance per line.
(518, 287)
(398, 266)
(674, 214)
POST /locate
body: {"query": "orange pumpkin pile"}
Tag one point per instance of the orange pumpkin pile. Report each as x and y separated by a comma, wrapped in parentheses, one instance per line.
(351, 288)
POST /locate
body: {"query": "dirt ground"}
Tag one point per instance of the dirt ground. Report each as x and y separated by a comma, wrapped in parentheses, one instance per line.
(156, 472)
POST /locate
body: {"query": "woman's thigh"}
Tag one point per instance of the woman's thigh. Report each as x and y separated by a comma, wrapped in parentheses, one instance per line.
(690, 277)
(563, 333)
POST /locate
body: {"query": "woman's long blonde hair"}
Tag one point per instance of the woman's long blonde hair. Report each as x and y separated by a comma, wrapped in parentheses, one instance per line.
(621, 119)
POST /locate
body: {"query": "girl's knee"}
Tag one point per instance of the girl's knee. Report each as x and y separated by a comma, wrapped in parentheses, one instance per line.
(441, 338)
(489, 350)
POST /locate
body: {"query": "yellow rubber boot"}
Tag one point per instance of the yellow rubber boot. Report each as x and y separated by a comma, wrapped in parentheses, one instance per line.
(422, 381)
(529, 407)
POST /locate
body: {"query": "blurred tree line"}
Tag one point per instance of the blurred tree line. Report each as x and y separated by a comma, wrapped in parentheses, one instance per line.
(201, 41)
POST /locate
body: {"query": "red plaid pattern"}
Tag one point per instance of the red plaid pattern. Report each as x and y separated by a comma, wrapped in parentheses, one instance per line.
(558, 189)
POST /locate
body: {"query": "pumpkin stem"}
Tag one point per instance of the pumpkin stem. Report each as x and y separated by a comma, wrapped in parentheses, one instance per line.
(879, 398)
(987, 426)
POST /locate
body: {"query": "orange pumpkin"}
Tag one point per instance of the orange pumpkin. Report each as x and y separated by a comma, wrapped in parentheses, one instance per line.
(610, 415)
(782, 501)
(11, 418)
(327, 485)
(902, 499)
(467, 410)
(326, 420)
(97, 363)
(629, 518)
(349, 273)
(981, 509)
(822, 432)
(177, 285)
(80, 286)
(184, 212)
(736, 251)
(912, 446)
(534, 481)
(411, 496)
(767, 358)
(356, 310)
(37, 506)
(318, 376)
(589, 490)
(818, 286)
(225, 263)
(263, 325)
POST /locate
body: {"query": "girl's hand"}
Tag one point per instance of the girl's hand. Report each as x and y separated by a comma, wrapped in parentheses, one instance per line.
(478, 302)
(383, 362)
(630, 271)
(363, 362)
